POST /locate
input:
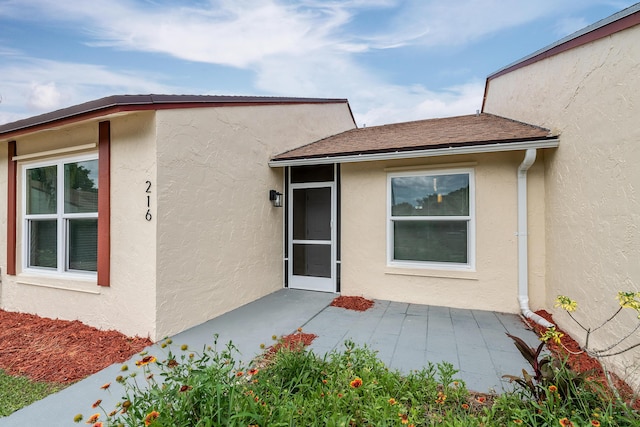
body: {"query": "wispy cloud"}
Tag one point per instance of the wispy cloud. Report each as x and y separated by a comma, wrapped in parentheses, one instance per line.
(293, 48)
(38, 85)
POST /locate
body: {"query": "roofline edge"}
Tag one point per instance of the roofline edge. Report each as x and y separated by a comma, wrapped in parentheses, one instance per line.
(435, 152)
(622, 20)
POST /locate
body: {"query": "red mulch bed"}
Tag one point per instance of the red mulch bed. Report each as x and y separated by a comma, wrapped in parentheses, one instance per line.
(579, 361)
(352, 303)
(58, 350)
(291, 342)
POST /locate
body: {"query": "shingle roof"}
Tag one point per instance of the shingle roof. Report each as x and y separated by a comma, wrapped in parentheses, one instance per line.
(119, 103)
(460, 131)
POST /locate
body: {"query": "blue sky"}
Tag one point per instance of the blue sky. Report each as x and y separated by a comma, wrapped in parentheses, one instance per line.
(393, 60)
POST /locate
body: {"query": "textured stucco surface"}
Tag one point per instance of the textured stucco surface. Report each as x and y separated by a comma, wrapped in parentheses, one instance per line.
(493, 285)
(126, 305)
(591, 95)
(213, 241)
(220, 242)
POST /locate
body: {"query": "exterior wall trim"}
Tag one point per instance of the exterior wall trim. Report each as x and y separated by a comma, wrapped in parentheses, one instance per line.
(474, 149)
(11, 208)
(104, 203)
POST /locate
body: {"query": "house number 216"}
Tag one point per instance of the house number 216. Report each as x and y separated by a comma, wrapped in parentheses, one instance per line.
(148, 191)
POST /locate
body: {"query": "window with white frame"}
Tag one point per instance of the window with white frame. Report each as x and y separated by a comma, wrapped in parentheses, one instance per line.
(60, 206)
(431, 218)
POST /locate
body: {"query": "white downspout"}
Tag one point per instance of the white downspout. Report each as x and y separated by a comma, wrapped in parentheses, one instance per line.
(523, 255)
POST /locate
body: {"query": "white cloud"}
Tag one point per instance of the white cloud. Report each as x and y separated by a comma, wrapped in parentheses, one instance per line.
(33, 86)
(304, 48)
(44, 96)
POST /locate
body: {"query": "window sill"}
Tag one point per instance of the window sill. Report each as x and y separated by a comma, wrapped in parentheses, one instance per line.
(430, 272)
(64, 283)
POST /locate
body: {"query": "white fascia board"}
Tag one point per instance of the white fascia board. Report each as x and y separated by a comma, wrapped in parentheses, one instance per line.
(434, 152)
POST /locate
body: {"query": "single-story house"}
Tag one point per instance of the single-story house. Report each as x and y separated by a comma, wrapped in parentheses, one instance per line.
(206, 203)
(149, 214)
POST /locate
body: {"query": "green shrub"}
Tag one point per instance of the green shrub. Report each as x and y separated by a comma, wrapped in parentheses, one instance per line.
(294, 387)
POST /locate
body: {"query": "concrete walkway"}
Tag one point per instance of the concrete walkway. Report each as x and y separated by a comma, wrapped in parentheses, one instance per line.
(407, 337)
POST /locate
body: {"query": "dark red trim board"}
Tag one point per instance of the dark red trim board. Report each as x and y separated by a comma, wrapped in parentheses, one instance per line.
(12, 177)
(104, 203)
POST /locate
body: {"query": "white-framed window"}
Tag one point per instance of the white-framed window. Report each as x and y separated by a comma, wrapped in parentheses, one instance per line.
(60, 213)
(431, 219)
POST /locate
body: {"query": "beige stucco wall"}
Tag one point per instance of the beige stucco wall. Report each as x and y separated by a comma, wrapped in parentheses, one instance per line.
(128, 305)
(591, 95)
(493, 285)
(220, 242)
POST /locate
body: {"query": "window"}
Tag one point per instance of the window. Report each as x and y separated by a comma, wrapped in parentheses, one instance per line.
(431, 219)
(60, 205)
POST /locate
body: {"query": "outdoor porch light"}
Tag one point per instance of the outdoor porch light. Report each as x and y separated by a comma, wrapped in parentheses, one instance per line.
(276, 198)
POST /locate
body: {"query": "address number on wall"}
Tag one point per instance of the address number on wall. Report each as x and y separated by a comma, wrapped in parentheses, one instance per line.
(148, 215)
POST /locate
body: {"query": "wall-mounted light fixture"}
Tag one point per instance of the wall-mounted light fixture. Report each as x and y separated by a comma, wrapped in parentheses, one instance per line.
(276, 198)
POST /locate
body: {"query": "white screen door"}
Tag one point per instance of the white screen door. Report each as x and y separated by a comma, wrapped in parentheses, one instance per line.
(312, 236)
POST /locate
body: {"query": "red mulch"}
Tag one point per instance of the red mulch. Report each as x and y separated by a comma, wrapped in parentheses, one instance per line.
(292, 342)
(352, 303)
(581, 362)
(58, 350)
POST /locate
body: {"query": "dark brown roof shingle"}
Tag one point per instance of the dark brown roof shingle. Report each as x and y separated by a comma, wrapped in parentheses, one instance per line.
(460, 131)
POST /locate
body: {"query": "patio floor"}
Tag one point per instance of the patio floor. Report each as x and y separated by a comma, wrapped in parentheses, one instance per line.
(406, 337)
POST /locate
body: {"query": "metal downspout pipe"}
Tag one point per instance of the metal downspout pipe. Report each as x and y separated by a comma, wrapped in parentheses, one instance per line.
(523, 254)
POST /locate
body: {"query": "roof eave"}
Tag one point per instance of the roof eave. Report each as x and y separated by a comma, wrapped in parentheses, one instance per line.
(433, 152)
(124, 104)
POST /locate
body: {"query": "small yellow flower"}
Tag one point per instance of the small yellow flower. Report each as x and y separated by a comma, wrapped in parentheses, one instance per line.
(517, 421)
(566, 303)
(124, 368)
(77, 418)
(552, 334)
(184, 347)
(630, 300)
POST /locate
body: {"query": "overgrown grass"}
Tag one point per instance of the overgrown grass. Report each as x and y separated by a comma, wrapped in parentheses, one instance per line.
(294, 387)
(18, 392)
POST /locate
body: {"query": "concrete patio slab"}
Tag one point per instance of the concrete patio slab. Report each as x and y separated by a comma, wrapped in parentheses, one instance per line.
(406, 337)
